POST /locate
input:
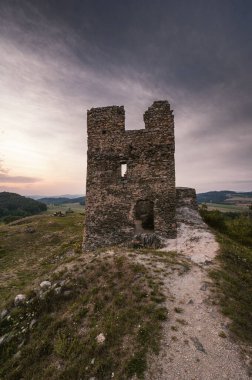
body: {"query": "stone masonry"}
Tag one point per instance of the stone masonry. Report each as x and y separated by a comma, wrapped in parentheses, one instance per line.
(186, 197)
(130, 177)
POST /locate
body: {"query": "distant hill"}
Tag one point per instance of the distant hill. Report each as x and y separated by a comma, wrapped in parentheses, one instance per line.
(62, 200)
(14, 206)
(70, 196)
(224, 196)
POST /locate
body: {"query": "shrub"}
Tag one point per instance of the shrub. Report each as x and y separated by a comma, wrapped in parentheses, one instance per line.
(214, 219)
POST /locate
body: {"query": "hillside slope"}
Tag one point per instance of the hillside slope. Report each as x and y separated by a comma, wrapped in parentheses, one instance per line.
(76, 316)
(224, 196)
(61, 200)
(14, 206)
(115, 313)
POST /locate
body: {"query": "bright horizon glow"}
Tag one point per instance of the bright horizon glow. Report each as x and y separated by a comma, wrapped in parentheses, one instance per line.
(56, 63)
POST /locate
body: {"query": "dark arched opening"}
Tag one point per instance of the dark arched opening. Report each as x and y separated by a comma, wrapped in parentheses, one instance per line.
(144, 215)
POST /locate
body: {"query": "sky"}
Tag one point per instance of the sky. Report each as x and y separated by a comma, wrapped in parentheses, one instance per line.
(59, 58)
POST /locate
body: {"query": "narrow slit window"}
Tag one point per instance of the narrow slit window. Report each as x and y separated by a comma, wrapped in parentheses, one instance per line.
(123, 170)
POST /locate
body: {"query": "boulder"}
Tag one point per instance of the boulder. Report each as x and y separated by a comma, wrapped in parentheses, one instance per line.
(45, 284)
(3, 314)
(20, 299)
(100, 339)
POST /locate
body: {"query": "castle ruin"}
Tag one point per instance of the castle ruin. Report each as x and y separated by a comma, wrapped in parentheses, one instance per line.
(131, 177)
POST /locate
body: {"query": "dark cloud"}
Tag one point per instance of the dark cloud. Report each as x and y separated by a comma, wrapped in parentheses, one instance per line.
(62, 57)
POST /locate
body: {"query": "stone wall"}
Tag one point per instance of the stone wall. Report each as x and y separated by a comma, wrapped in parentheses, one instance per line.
(144, 199)
(186, 197)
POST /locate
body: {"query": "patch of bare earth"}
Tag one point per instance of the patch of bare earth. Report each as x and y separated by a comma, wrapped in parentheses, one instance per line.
(196, 342)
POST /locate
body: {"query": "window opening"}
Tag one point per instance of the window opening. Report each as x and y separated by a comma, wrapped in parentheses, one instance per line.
(123, 170)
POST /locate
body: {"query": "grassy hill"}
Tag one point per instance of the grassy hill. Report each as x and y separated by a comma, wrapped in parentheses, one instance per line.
(214, 196)
(14, 206)
(100, 316)
(61, 200)
(226, 200)
(234, 276)
(223, 196)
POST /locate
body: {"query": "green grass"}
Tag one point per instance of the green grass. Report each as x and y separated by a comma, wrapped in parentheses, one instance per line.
(112, 295)
(76, 207)
(62, 344)
(226, 207)
(234, 276)
(27, 257)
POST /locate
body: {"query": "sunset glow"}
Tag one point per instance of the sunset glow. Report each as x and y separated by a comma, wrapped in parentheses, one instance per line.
(59, 61)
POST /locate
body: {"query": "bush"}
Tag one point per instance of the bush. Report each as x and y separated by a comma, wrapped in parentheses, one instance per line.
(238, 227)
(10, 218)
(214, 219)
(234, 276)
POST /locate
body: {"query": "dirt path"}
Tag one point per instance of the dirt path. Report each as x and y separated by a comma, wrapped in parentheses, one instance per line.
(196, 344)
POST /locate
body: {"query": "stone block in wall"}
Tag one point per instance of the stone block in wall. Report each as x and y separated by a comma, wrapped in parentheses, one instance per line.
(186, 197)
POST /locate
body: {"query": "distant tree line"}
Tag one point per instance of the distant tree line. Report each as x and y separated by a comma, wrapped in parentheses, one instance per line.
(220, 196)
(62, 200)
(14, 206)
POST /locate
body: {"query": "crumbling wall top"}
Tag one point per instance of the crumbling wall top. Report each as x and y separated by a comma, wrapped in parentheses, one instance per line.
(105, 110)
(186, 197)
(106, 120)
(158, 115)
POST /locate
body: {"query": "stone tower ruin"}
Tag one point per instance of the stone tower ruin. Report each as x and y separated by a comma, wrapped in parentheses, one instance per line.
(130, 176)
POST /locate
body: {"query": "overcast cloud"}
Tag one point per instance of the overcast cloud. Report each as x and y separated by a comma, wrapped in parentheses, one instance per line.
(59, 58)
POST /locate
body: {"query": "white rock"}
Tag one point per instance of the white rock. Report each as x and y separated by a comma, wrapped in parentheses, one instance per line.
(100, 338)
(19, 299)
(45, 284)
(33, 321)
(3, 314)
(2, 338)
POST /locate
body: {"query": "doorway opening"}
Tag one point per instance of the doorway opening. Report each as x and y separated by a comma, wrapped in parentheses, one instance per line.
(144, 216)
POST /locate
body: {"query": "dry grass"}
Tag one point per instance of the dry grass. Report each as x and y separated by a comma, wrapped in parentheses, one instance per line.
(104, 293)
(27, 257)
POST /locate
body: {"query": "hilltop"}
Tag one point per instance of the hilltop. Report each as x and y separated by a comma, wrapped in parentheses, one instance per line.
(123, 313)
(77, 315)
(14, 206)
